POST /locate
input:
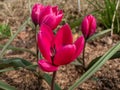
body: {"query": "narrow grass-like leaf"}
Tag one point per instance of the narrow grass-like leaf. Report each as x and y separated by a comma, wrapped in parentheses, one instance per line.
(118, 23)
(77, 63)
(30, 67)
(48, 80)
(91, 2)
(12, 38)
(107, 6)
(116, 55)
(96, 66)
(19, 49)
(99, 5)
(16, 63)
(99, 34)
(7, 69)
(6, 86)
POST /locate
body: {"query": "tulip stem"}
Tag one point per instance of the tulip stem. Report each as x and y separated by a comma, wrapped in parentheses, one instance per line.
(37, 57)
(36, 42)
(53, 80)
(84, 65)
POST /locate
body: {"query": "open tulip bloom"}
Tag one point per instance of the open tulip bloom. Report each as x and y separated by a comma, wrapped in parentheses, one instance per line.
(48, 15)
(57, 49)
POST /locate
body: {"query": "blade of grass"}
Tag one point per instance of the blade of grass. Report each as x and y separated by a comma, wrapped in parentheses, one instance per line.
(99, 34)
(116, 55)
(7, 69)
(79, 6)
(30, 67)
(107, 7)
(12, 38)
(118, 23)
(113, 19)
(98, 4)
(91, 2)
(48, 80)
(6, 86)
(96, 66)
(19, 49)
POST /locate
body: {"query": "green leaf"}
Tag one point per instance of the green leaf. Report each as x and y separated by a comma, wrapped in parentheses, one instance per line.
(6, 86)
(19, 49)
(7, 69)
(48, 80)
(5, 31)
(16, 63)
(116, 55)
(96, 66)
(99, 34)
(12, 38)
(77, 63)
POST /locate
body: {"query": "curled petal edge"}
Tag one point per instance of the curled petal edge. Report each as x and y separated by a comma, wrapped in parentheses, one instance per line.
(46, 66)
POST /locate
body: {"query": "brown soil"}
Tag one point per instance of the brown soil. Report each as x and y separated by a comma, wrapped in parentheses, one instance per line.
(14, 13)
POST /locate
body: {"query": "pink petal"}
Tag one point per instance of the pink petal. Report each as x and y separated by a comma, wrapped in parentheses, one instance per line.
(59, 15)
(79, 43)
(60, 12)
(52, 20)
(36, 12)
(46, 66)
(45, 37)
(85, 27)
(55, 9)
(58, 20)
(45, 28)
(44, 12)
(64, 55)
(93, 26)
(63, 37)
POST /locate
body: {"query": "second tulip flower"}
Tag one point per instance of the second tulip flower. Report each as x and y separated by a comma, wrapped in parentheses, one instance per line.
(48, 15)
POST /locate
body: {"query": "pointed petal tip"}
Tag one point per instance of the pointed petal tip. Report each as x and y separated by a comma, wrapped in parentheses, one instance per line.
(79, 43)
(63, 36)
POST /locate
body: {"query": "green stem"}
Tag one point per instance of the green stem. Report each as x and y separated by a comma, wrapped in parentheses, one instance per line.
(53, 80)
(37, 57)
(36, 43)
(83, 57)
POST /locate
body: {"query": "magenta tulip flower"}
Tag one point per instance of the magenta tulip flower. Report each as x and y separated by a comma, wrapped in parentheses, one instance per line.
(88, 26)
(57, 49)
(48, 15)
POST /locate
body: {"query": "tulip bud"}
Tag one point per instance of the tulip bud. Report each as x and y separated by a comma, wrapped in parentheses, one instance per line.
(35, 13)
(88, 26)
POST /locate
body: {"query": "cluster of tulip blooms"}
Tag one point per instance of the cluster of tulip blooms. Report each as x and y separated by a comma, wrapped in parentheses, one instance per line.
(58, 48)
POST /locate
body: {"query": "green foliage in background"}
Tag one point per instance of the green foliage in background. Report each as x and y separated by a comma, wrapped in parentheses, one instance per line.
(4, 31)
(107, 14)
